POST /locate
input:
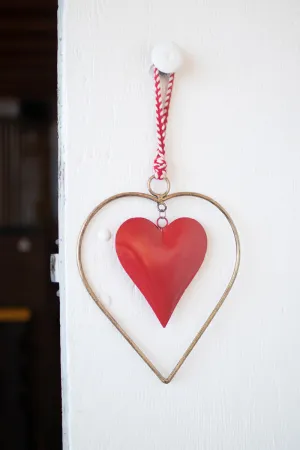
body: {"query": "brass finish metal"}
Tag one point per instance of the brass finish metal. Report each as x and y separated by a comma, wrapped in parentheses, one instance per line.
(15, 314)
(158, 198)
(162, 196)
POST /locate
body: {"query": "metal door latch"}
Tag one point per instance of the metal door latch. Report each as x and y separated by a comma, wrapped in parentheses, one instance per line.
(54, 272)
(54, 267)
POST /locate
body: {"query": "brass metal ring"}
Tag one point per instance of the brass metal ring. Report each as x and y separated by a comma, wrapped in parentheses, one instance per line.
(156, 194)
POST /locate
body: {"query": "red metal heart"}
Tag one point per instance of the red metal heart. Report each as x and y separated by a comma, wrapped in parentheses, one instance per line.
(161, 261)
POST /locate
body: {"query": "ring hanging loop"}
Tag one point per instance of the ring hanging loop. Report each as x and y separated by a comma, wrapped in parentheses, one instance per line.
(157, 194)
(162, 207)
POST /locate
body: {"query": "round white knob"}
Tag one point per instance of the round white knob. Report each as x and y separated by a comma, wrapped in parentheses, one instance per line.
(167, 57)
(104, 234)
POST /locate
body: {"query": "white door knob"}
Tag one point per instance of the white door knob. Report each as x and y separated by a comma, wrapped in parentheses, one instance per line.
(167, 57)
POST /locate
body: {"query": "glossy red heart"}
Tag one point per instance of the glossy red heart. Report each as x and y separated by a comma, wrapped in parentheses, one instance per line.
(161, 261)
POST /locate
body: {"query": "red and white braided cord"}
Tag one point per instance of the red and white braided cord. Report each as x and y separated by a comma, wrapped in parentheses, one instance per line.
(162, 112)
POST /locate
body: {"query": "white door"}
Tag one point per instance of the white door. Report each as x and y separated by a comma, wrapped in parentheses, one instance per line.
(233, 135)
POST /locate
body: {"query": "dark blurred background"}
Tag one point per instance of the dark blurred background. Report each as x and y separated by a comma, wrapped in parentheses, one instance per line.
(30, 406)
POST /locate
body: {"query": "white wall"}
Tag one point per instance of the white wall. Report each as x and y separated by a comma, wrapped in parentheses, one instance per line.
(234, 135)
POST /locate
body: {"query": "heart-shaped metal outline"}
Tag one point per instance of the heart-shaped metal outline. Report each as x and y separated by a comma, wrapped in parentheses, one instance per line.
(158, 199)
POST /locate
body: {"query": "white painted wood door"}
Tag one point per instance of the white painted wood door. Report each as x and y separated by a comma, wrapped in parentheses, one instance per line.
(233, 135)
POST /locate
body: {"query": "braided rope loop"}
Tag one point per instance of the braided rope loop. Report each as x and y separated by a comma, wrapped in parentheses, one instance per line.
(162, 113)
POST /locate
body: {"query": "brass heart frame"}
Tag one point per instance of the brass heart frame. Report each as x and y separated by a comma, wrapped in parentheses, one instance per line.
(158, 198)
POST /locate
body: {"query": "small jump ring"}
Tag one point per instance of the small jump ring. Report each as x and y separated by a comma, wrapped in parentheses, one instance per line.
(157, 194)
(162, 207)
(164, 220)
